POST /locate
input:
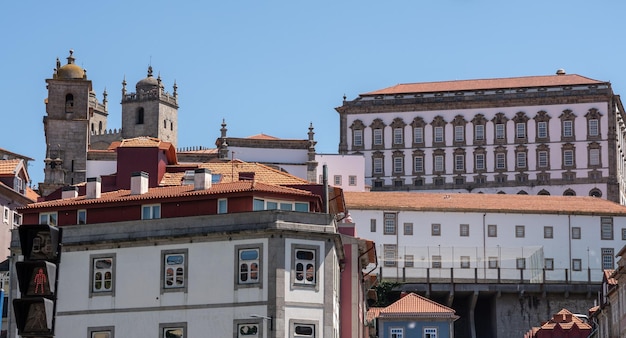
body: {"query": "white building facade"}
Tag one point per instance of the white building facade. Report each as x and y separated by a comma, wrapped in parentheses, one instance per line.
(546, 135)
(489, 238)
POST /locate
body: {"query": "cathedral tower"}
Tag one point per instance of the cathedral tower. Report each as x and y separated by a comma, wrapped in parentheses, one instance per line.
(72, 114)
(150, 111)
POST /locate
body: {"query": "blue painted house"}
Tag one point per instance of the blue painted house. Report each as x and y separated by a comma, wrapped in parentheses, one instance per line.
(414, 316)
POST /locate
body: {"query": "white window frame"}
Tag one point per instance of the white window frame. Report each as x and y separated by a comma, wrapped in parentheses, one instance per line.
(6, 215)
(577, 264)
(438, 134)
(542, 129)
(459, 162)
(500, 131)
(377, 136)
(520, 130)
(81, 216)
(222, 205)
(249, 265)
(594, 129)
(337, 180)
(500, 161)
(459, 133)
(542, 161)
(352, 180)
(548, 232)
(521, 159)
(177, 280)
(594, 156)
(464, 230)
(396, 332)
(390, 255)
(479, 132)
(99, 274)
(418, 164)
(151, 211)
(480, 161)
(568, 157)
(310, 327)
(430, 332)
(439, 165)
(492, 230)
(568, 128)
(378, 165)
(548, 263)
(397, 136)
(418, 135)
(390, 224)
(50, 218)
(357, 137)
(165, 328)
(305, 266)
(398, 164)
(576, 233)
(465, 262)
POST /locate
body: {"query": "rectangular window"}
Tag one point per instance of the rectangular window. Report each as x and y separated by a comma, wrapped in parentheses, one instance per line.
(303, 330)
(606, 225)
(81, 217)
(101, 332)
(396, 333)
(520, 130)
(249, 265)
(623, 234)
(520, 231)
(378, 165)
(430, 332)
(459, 162)
(594, 156)
(548, 232)
(6, 215)
(548, 263)
(575, 232)
(151, 211)
(390, 253)
(408, 229)
(390, 223)
(542, 159)
(480, 161)
(435, 229)
(258, 204)
(173, 330)
(499, 131)
(438, 163)
(222, 206)
(568, 158)
(398, 165)
(542, 129)
(397, 136)
(174, 268)
(305, 266)
(373, 225)
(500, 161)
(337, 180)
(357, 140)
(438, 131)
(436, 262)
(465, 262)
(408, 261)
(607, 259)
(464, 230)
(521, 160)
(577, 264)
(479, 132)
(49, 218)
(568, 131)
(418, 164)
(249, 330)
(493, 262)
(418, 135)
(301, 206)
(492, 230)
(352, 180)
(520, 263)
(102, 274)
(17, 219)
(378, 137)
(593, 127)
(459, 133)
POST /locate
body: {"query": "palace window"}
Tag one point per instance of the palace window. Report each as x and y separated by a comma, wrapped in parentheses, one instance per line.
(479, 132)
(418, 164)
(378, 137)
(418, 135)
(357, 137)
(438, 134)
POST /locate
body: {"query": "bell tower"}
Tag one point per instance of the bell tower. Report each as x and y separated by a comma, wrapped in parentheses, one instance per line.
(72, 114)
(150, 110)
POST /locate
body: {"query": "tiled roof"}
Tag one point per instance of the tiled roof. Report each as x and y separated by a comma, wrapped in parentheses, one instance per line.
(468, 202)
(229, 172)
(566, 320)
(144, 141)
(413, 305)
(608, 274)
(9, 167)
(373, 312)
(170, 192)
(262, 137)
(487, 84)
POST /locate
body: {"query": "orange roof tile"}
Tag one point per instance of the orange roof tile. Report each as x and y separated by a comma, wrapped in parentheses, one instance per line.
(373, 313)
(468, 202)
(9, 167)
(170, 192)
(262, 137)
(143, 141)
(416, 305)
(230, 172)
(608, 274)
(566, 320)
(487, 84)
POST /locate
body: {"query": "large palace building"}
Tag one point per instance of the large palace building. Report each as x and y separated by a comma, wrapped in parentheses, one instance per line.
(560, 134)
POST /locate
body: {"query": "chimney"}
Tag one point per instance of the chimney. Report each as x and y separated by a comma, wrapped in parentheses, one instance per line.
(138, 183)
(202, 179)
(94, 187)
(69, 192)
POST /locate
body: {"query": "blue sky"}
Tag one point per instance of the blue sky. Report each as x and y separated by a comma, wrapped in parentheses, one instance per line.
(273, 67)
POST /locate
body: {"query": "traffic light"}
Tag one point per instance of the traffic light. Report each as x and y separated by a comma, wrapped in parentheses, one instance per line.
(37, 280)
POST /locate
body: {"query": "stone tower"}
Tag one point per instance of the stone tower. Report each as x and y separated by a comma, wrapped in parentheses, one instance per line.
(72, 114)
(150, 111)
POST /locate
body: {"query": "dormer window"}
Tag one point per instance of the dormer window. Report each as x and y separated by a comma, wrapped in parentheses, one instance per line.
(18, 185)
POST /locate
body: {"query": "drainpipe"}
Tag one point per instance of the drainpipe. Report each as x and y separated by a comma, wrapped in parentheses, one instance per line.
(325, 182)
(484, 247)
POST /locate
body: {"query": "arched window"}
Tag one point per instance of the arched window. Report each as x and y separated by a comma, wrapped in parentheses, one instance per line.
(569, 192)
(595, 192)
(522, 192)
(100, 127)
(544, 192)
